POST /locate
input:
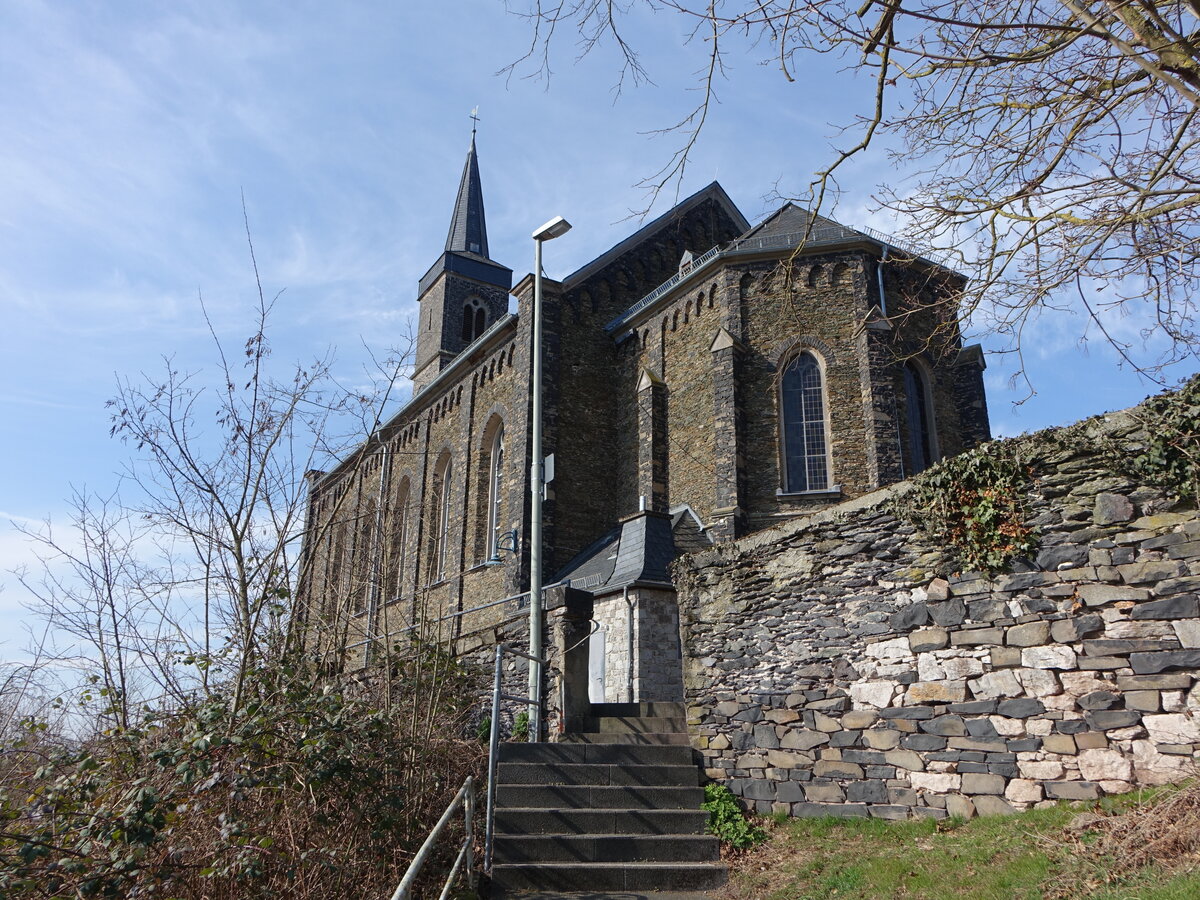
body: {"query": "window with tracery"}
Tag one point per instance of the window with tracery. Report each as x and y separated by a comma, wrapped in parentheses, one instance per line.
(919, 415)
(494, 494)
(802, 426)
(400, 537)
(440, 517)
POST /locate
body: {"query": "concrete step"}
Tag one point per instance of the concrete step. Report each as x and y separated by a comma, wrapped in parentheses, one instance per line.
(571, 796)
(586, 773)
(611, 848)
(650, 708)
(634, 724)
(598, 754)
(597, 877)
(607, 737)
(600, 821)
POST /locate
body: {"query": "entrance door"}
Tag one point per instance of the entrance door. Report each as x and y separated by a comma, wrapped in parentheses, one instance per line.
(596, 666)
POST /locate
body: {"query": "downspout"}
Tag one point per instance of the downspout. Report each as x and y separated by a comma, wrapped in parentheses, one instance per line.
(879, 278)
(629, 609)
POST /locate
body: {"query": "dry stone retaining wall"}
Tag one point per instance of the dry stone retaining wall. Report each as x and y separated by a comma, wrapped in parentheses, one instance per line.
(829, 673)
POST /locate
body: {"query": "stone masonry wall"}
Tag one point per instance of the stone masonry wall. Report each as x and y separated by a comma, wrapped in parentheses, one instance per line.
(829, 672)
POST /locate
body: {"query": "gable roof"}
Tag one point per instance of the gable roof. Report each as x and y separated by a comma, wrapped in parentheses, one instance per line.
(713, 191)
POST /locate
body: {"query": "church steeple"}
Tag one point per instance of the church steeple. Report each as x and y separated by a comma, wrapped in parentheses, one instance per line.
(465, 291)
(468, 227)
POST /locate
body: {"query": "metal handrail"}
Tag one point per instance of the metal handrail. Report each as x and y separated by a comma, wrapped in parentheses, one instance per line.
(466, 854)
(494, 745)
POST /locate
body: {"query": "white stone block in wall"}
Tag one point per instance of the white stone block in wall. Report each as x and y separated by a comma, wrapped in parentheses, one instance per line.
(1116, 787)
(962, 667)
(996, 684)
(1022, 790)
(1051, 656)
(1104, 765)
(1007, 727)
(1126, 734)
(1172, 728)
(872, 694)
(1080, 683)
(1039, 727)
(1039, 682)
(1041, 771)
(929, 667)
(935, 783)
(897, 648)
(1153, 767)
(1173, 701)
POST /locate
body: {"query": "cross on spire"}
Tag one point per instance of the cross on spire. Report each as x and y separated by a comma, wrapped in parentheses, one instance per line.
(474, 120)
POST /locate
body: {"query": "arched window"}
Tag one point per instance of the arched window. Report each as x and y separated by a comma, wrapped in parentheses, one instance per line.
(919, 415)
(474, 320)
(440, 517)
(802, 420)
(400, 536)
(364, 555)
(495, 473)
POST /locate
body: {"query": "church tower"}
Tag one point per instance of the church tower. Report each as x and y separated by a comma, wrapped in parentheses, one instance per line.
(464, 291)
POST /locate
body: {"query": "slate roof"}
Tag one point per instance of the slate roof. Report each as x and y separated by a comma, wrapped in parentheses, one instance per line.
(468, 230)
(792, 219)
(638, 550)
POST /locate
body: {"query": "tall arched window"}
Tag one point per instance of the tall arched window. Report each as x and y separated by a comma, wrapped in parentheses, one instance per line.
(495, 473)
(802, 419)
(364, 555)
(440, 517)
(922, 447)
(400, 536)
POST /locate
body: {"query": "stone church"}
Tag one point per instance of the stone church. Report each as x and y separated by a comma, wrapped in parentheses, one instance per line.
(703, 379)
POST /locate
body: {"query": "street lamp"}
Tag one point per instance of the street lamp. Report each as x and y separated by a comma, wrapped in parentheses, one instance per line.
(556, 227)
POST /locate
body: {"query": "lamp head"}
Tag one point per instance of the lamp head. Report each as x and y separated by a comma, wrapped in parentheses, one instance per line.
(556, 227)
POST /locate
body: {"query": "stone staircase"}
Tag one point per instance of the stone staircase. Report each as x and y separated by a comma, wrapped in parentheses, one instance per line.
(613, 808)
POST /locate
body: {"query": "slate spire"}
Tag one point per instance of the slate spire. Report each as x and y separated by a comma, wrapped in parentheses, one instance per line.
(468, 230)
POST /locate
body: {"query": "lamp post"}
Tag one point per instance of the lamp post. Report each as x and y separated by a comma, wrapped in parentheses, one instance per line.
(556, 227)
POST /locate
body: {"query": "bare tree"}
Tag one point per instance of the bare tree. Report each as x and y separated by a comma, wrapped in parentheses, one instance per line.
(98, 594)
(197, 559)
(1052, 145)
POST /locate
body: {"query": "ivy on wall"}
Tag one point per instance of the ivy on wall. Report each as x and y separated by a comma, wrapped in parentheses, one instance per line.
(976, 504)
(1171, 456)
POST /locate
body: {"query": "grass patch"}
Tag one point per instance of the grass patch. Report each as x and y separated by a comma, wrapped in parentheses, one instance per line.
(1043, 854)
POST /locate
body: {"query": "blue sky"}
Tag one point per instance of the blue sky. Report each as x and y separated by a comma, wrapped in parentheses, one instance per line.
(132, 131)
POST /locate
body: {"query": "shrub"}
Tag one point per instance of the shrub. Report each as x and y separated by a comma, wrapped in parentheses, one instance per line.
(310, 791)
(726, 820)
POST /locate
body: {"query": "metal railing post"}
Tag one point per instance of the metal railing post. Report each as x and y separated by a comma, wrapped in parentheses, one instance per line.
(469, 846)
(493, 752)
